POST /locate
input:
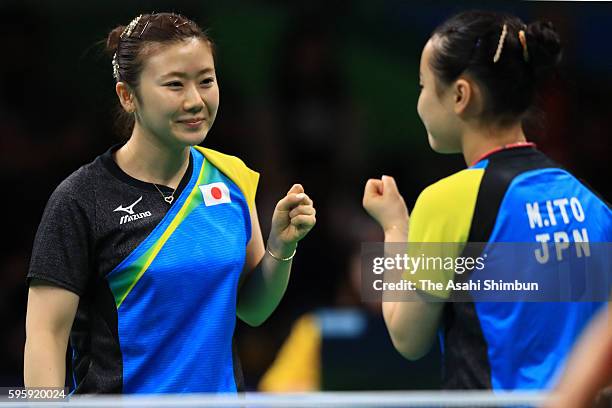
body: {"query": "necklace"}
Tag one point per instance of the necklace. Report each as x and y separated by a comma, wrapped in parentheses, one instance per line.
(169, 198)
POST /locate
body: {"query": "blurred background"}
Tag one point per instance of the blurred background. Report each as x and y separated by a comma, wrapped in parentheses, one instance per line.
(322, 93)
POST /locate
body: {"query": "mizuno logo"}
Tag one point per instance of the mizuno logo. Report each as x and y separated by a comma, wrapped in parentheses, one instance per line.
(130, 210)
(130, 218)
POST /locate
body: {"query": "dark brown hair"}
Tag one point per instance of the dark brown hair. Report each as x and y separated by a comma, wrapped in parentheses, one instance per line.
(467, 44)
(130, 52)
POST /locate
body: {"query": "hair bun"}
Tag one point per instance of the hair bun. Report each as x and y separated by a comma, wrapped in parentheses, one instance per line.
(544, 47)
(112, 41)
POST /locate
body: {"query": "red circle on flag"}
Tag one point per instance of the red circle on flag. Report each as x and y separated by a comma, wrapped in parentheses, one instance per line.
(216, 193)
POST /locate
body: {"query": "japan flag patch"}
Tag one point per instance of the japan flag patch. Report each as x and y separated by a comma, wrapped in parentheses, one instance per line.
(215, 193)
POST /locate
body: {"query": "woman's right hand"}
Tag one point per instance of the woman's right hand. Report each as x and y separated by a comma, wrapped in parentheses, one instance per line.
(384, 203)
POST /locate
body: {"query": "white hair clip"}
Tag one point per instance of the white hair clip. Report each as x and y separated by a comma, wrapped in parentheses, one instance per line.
(115, 67)
(128, 30)
(500, 44)
(126, 33)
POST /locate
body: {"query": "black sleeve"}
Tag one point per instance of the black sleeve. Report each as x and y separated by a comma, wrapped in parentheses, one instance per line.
(61, 253)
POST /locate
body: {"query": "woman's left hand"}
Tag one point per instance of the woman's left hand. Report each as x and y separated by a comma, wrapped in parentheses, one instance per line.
(293, 218)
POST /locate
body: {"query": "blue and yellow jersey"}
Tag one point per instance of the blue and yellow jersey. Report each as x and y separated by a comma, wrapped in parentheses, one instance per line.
(515, 195)
(157, 282)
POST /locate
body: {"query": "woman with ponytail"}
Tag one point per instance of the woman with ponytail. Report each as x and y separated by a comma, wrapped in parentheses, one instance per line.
(479, 75)
(144, 257)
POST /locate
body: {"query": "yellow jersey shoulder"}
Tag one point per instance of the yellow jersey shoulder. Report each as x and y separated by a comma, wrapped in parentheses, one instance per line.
(444, 210)
(234, 168)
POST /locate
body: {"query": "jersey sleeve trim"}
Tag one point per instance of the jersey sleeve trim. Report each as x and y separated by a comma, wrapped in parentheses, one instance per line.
(53, 281)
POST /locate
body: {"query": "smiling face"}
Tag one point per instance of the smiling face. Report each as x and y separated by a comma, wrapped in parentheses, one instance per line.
(436, 108)
(178, 95)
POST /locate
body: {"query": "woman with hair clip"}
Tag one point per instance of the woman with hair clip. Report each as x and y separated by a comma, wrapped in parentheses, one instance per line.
(145, 256)
(479, 74)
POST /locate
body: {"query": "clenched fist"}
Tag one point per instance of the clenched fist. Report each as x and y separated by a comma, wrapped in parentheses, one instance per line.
(293, 218)
(385, 204)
